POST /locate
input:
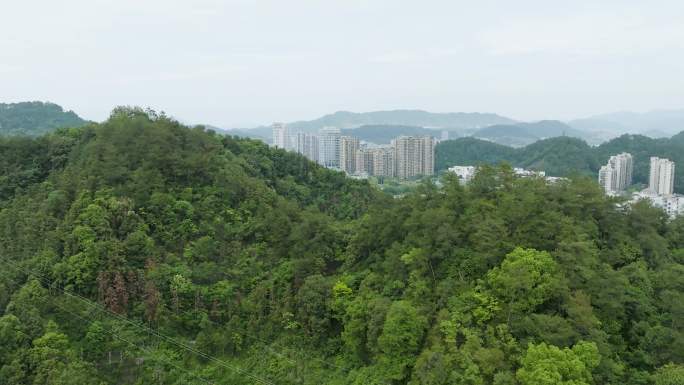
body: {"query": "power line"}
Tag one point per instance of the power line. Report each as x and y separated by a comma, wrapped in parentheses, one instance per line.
(147, 350)
(266, 344)
(157, 334)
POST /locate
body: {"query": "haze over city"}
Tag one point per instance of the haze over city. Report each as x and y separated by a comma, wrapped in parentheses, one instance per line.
(246, 63)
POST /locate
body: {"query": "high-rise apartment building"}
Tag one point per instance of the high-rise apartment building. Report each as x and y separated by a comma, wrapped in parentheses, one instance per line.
(383, 162)
(661, 177)
(623, 165)
(329, 142)
(349, 147)
(364, 161)
(413, 156)
(376, 161)
(306, 145)
(616, 175)
(607, 178)
(280, 136)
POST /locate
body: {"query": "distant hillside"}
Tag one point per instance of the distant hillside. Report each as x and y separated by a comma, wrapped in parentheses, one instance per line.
(522, 134)
(563, 156)
(263, 135)
(559, 156)
(415, 118)
(383, 134)
(470, 151)
(658, 123)
(35, 118)
(451, 120)
(642, 148)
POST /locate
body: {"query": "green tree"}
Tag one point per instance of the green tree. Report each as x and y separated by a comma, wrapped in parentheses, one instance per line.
(525, 279)
(545, 364)
(401, 338)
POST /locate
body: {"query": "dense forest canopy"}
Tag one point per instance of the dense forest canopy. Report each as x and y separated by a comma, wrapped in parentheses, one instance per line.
(35, 118)
(141, 251)
(564, 156)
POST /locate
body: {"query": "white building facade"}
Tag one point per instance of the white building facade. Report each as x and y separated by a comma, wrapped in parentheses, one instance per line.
(329, 144)
(280, 136)
(616, 175)
(661, 176)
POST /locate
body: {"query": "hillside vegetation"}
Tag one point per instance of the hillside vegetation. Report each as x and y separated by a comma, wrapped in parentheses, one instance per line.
(522, 134)
(35, 118)
(141, 251)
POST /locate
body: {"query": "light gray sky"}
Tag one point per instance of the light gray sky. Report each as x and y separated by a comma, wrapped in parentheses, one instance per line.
(248, 62)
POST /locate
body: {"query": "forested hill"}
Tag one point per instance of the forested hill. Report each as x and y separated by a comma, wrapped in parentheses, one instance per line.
(383, 133)
(35, 118)
(141, 251)
(563, 156)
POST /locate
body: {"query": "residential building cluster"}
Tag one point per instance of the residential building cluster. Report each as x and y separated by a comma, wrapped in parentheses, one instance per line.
(660, 191)
(404, 158)
(466, 173)
(616, 176)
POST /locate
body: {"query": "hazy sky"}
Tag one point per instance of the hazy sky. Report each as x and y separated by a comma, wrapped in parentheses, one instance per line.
(247, 62)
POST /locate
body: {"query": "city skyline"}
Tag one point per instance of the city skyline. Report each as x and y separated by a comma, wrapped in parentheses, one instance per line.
(406, 156)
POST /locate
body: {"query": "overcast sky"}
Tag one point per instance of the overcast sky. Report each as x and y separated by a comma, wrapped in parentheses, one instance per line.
(248, 62)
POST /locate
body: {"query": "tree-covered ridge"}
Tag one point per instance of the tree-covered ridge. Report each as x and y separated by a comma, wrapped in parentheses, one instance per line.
(564, 156)
(279, 271)
(35, 118)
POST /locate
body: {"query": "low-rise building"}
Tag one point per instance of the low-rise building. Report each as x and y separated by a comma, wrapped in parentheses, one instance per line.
(672, 204)
(465, 173)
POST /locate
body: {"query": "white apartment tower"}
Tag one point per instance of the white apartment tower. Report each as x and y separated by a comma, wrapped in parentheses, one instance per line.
(413, 156)
(349, 147)
(661, 177)
(616, 175)
(607, 178)
(280, 136)
(306, 145)
(329, 142)
(623, 166)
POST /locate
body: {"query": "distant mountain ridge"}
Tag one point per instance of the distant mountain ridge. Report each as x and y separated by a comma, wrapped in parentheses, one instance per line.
(656, 123)
(420, 118)
(522, 134)
(450, 121)
(384, 133)
(489, 126)
(35, 118)
(381, 126)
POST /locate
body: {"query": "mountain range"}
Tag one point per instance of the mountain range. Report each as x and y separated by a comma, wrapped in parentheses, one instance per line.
(394, 123)
(35, 118)
(381, 125)
(657, 123)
